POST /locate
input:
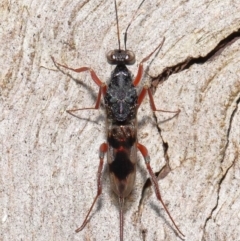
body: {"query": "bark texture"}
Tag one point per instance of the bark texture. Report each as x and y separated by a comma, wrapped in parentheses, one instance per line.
(49, 159)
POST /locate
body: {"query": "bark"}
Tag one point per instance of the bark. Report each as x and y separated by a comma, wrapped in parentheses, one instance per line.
(49, 159)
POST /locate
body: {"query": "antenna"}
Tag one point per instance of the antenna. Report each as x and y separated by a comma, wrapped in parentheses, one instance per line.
(119, 45)
(133, 17)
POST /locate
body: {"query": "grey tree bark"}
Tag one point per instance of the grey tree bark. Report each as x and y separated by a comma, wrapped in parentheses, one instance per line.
(49, 159)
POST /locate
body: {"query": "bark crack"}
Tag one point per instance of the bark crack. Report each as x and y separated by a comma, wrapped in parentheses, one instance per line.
(195, 60)
(218, 196)
(230, 127)
(227, 170)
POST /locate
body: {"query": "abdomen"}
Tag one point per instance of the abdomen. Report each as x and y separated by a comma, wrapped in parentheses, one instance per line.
(122, 157)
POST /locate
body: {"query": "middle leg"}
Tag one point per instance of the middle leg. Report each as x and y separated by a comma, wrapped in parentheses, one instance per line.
(146, 90)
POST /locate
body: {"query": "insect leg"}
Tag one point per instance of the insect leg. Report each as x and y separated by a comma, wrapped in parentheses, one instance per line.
(141, 96)
(154, 181)
(82, 69)
(102, 86)
(140, 67)
(103, 150)
(102, 90)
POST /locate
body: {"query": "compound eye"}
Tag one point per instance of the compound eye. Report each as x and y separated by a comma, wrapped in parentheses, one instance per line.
(111, 57)
(129, 58)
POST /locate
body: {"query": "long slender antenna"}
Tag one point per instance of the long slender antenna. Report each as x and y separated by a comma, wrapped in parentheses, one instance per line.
(133, 17)
(119, 44)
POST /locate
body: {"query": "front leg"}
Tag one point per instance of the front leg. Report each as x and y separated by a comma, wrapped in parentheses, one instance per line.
(140, 68)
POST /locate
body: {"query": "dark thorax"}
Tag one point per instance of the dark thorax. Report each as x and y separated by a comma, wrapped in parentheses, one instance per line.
(121, 96)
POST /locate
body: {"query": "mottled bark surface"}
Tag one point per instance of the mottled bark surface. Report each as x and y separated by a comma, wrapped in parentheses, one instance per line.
(49, 159)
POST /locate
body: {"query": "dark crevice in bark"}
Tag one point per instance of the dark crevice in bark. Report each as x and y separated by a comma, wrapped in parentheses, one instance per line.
(226, 172)
(230, 126)
(144, 234)
(197, 60)
(218, 194)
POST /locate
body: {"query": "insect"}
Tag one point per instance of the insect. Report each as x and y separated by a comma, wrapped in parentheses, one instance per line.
(122, 103)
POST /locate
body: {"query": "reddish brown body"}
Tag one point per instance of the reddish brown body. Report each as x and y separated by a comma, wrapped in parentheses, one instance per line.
(121, 103)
